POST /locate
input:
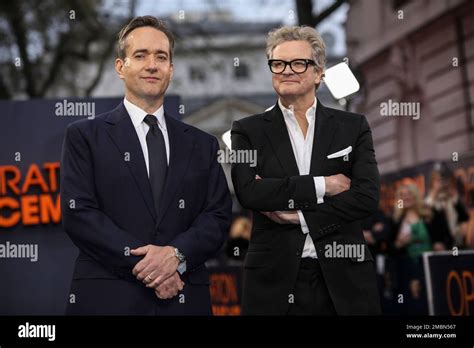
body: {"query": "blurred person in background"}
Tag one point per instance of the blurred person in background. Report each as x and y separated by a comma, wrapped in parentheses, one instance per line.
(376, 229)
(239, 237)
(414, 229)
(412, 223)
(443, 198)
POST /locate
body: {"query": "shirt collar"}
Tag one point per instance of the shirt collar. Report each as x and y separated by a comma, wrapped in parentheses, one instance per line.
(310, 113)
(137, 114)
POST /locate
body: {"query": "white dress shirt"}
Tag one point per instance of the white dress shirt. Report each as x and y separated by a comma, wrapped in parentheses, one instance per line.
(137, 115)
(302, 149)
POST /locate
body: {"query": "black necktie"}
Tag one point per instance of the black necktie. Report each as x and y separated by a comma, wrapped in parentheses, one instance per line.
(158, 164)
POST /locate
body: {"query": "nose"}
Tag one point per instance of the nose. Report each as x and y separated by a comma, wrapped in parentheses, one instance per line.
(152, 63)
(287, 70)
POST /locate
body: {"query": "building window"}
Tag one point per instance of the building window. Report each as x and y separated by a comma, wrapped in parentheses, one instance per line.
(241, 71)
(397, 4)
(197, 73)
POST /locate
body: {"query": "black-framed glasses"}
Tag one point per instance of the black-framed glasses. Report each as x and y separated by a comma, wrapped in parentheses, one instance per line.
(299, 66)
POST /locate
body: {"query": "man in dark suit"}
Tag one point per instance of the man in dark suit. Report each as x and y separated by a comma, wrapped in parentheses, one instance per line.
(142, 194)
(316, 178)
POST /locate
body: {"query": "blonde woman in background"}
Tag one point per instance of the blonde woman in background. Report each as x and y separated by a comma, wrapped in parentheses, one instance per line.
(412, 220)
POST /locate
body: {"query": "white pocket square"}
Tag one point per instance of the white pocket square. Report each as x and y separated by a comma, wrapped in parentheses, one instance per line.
(341, 153)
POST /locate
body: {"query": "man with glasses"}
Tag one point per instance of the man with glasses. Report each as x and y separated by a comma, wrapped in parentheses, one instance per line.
(316, 178)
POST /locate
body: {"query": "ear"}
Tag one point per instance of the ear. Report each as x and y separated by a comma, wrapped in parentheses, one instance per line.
(319, 77)
(171, 71)
(119, 66)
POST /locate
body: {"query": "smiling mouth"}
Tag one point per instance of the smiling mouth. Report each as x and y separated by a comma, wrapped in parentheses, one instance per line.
(151, 78)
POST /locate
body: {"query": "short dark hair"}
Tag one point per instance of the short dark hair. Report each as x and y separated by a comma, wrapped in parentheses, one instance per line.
(139, 22)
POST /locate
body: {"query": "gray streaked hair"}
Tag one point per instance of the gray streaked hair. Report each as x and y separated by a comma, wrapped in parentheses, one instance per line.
(298, 33)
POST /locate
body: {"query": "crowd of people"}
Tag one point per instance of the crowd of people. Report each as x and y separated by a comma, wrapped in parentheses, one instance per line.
(437, 222)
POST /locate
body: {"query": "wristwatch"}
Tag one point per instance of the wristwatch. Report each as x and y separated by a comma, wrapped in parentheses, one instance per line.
(182, 260)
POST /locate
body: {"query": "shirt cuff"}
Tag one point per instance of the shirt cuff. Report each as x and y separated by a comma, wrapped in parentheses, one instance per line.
(320, 186)
(182, 267)
(304, 225)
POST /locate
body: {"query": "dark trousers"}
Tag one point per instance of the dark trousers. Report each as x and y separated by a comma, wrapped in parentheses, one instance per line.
(311, 295)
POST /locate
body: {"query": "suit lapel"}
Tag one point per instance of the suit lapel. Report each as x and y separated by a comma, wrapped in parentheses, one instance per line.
(124, 136)
(277, 133)
(181, 148)
(324, 131)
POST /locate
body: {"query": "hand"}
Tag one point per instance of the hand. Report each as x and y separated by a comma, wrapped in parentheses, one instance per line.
(336, 184)
(283, 217)
(436, 187)
(170, 287)
(404, 236)
(378, 227)
(368, 237)
(159, 264)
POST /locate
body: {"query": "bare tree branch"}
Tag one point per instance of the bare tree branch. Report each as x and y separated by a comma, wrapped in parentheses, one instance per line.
(52, 45)
(19, 32)
(304, 9)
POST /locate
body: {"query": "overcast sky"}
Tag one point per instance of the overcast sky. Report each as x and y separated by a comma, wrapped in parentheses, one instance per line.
(241, 10)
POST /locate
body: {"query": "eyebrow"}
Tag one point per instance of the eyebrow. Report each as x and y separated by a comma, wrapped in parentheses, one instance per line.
(144, 50)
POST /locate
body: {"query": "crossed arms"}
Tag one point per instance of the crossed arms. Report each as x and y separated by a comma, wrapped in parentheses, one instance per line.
(342, 204)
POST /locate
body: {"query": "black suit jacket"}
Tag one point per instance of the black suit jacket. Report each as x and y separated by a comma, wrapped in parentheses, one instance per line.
(274, 253)
(107, 208)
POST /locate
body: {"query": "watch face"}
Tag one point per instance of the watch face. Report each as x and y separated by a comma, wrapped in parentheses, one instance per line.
(179, 255)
